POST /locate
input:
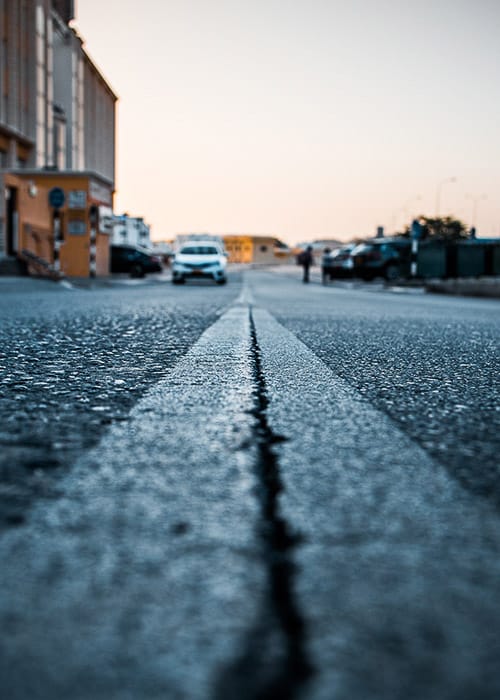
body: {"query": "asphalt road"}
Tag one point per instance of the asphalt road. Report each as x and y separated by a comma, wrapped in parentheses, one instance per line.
(266, 490)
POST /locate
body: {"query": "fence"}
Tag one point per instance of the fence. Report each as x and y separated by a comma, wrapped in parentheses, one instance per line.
(459, 259)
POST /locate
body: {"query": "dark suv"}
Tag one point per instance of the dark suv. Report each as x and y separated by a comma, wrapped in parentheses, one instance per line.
(382, 257)
(134, 260)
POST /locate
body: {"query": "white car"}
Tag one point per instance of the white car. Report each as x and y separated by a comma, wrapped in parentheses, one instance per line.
(198, 260)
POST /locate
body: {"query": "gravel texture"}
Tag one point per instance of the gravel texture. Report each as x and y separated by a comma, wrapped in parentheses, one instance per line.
(74, 361)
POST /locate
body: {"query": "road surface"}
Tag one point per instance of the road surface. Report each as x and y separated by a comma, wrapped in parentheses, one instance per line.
(259, 491)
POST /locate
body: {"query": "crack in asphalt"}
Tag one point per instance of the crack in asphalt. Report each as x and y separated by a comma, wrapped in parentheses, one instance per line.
(274, 663)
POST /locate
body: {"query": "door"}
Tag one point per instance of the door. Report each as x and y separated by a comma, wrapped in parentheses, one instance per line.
(12, 221)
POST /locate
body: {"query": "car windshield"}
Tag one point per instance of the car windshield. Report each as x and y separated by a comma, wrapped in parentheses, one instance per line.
(341, 251)
(199, 250)
(362, 248)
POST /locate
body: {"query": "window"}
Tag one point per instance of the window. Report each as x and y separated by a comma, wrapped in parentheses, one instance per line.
(59, 144)
(40, 20)
(41, 98)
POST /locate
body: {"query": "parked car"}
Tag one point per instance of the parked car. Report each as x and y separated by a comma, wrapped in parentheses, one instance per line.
(135, 260)
(385, 257)
(199, 260)
(338, 264)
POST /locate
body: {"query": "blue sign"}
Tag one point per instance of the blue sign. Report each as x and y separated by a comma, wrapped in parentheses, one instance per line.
(77, 228)
(416, 230)
(57, 197)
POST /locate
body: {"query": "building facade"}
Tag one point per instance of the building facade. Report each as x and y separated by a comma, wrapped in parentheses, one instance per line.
(57, 130)
(131, 230)
(260, 250)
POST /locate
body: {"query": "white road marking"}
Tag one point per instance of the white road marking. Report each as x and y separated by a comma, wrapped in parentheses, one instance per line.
(145, 573)
(150, 560)
(392, 544)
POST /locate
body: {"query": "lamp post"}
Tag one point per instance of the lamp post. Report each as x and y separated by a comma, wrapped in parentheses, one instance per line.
(438, 192)
(475, 201)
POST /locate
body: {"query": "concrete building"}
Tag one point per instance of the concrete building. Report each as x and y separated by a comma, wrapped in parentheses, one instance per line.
(263, 250)
(131, 230)
(57, 130)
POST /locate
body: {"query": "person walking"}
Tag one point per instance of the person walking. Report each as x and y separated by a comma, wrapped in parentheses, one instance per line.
(306, 260)
(325, 265)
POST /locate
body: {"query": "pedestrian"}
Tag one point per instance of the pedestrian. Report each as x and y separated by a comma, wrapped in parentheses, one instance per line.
(306, 260)
(325, 265)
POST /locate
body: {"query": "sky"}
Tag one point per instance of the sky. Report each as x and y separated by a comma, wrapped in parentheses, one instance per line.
(304, 119)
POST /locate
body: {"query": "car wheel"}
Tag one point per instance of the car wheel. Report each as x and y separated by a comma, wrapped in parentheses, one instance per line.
(222, 281)
(137, 271)
(391, 273)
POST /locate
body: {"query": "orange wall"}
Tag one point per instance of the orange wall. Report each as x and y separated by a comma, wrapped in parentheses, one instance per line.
(74, 252)
(34, 218)
(102, 254)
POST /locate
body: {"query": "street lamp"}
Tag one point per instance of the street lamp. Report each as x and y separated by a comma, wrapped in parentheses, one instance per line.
(475, 201)
(438, 192)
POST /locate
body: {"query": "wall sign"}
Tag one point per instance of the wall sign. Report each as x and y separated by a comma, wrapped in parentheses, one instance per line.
(77, 199)
(77, 227)
(100, 192)
(105, 220)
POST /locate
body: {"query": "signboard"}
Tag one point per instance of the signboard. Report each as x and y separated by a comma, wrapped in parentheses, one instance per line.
(99, 192)
(106, 220)
(77, 227)
(56, 197)
(77, 199)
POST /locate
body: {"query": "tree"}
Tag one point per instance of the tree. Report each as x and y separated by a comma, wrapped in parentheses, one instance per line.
(443, 228)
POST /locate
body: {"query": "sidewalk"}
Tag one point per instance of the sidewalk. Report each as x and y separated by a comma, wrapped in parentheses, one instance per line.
(473, 287)
(18, 283)
(486, 287)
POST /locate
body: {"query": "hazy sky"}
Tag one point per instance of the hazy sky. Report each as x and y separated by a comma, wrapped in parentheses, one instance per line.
(301, 118)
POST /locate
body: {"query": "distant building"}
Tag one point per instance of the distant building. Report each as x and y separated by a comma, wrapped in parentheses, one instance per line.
(244, 248)
(248, 248)
(57, 130)
(164, 249)
(131, 230)
(183, 238)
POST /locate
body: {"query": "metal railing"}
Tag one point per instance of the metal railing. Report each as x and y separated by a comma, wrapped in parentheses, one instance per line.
(39, 265)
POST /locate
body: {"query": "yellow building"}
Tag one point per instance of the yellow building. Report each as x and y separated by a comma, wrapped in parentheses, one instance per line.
(263, 250)
(239, 248)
